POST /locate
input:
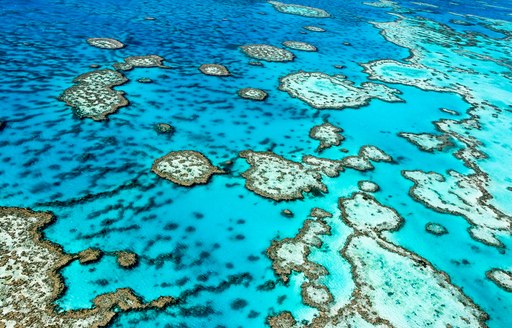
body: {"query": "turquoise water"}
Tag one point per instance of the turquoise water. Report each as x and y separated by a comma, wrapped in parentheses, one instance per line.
(207, 243)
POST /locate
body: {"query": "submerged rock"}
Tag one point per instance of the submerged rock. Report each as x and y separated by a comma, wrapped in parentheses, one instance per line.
(145, 80)
(287, 213)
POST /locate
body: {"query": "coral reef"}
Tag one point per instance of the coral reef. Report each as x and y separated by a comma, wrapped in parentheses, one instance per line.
(105, 43)
(314, 28)
(405, 291)
(298, 45)
(501, 278)
(146, 61)
(323, 91)
(93, 95)
(299, 10)
(461, 195)
(275, 177)
(435, 229)
(267, 53)
(30, 281)
(368, 186)
(253, 94)
(214, 70)
(427, 142)
(185, 167)
(328, 135)
(127, 259)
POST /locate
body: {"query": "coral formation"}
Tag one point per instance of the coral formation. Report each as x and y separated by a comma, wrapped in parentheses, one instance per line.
(127, 259)
(323, 91)
(298, 45)
(267, 53)
(501, 278)
(461, 195)
(368, 186)
(436, 229)
(214, 70)
(314, 28)
(299, 10)
(427, 142)
(253, 94)
(105, 43)
(185, 167)
(275, 177)
(146, 61)
(30, 280)
(93, 95)
(328, 135)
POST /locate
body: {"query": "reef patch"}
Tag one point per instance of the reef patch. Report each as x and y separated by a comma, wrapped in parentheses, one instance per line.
(367, 154)
(426, 141)
(267, 53)
(146, 61)
(436, 229)
(105, 43)
(185, 168)
(298, 45)
(275, 177)
(368, 186)
(214, 70)
(93, 95)
(253, 94)
(299, 10)
(314, 28)
(328, 135)
(323, 91)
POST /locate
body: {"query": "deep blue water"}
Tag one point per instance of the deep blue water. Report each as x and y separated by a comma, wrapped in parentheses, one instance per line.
(50, 159)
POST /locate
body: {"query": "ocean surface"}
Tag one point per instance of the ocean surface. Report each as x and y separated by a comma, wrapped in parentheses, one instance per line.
(207, 243)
